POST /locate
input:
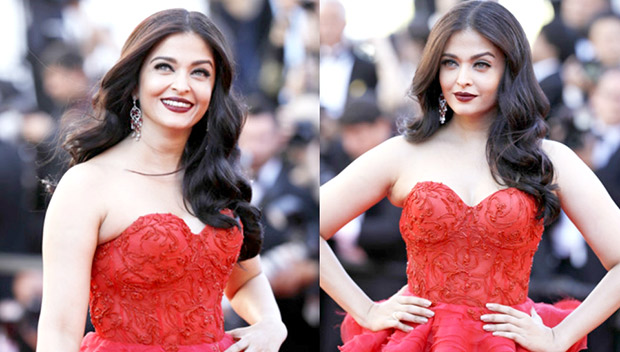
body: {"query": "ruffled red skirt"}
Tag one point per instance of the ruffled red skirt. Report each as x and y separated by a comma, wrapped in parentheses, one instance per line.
(92, 342)
(453, 328)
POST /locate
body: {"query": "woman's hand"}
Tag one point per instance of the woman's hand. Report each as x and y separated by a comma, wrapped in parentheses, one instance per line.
(526, 330)
(264, 336)
(397, 310)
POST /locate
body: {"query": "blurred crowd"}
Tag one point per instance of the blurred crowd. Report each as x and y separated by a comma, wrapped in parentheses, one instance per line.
(364, 94)
(360, 97)
(276, 47)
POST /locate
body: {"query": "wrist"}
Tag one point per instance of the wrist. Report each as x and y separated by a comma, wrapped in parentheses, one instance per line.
(365, 319)
(275, 324)
(561, 341)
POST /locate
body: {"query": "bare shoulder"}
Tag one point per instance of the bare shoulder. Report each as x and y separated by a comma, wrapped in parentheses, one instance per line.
(562, 157)
(556, 150)
(80, 191)
(83, 177)
(393, 149)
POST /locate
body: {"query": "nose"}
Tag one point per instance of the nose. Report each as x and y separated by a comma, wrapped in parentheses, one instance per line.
(180, 83)
(464, 78)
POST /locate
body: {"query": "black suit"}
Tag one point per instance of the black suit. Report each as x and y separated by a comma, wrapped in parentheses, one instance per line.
(381, 276)
(363, 78)
(301, 214)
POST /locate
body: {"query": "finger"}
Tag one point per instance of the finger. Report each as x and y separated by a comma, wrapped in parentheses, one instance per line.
(499, 318)
(417, 301)
(396, 324)
(506, 310)
(404, 316)
(418, 311)
(239, 346)
(402, 290)
(237, 333)
(508, 335)
(511, 335)
(502, 328)
(535, 315)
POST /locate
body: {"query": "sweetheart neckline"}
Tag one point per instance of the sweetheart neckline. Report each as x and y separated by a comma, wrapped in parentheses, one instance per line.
(456, 194)
(141, 217)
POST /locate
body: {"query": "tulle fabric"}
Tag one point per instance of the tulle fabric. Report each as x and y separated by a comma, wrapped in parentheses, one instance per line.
(94, 343)
(454, 328)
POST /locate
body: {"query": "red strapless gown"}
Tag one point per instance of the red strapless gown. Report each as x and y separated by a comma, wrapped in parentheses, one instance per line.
(460, 258)
(158, 287)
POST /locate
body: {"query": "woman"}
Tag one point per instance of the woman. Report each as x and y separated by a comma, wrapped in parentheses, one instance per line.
(153, 215)
(476, 182)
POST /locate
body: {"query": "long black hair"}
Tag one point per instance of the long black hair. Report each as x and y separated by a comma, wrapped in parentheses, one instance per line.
(513, 149)
(212, 180)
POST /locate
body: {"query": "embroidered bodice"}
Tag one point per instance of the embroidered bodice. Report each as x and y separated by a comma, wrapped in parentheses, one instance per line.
(160, 284)
(469, 255)
(461, 257)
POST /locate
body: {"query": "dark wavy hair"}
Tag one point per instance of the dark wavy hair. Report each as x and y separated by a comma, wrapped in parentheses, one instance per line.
(212, 180)
(513, 149)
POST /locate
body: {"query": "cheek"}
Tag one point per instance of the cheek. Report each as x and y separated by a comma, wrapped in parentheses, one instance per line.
(152, 85)
(204, 94)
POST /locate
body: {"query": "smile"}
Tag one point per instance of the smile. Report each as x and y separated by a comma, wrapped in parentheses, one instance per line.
(177, 104)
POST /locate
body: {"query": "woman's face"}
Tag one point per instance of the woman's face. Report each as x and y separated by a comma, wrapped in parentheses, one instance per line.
(470, 70)
(176, 82)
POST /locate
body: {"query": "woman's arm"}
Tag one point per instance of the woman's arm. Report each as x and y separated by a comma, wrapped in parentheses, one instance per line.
(362, 184)
(591, 209)
(69, 242)
(251, 297)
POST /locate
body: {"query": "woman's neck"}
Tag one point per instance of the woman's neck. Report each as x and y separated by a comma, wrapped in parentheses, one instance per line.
(469, 129)
(155, 153)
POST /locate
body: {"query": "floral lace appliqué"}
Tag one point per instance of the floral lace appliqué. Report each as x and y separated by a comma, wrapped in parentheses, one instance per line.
(469, 255)
(160, 284)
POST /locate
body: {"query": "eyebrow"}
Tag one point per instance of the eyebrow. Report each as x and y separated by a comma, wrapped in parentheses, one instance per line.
(174, 61)
(473, 57)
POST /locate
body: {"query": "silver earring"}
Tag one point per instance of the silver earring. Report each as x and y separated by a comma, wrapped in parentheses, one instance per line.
(136, 121)
(443, 107)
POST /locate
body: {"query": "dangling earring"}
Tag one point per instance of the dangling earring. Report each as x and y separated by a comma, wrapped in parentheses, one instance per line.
(136, 121)
(443, 107)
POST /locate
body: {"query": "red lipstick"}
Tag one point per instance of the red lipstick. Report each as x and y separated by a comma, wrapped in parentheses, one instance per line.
(464, 96)
(177, 104)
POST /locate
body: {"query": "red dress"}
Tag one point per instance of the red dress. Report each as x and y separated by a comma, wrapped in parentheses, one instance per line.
(461, 257)
(158, 287)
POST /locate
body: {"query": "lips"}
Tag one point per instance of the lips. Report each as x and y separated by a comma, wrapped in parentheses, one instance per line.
(176, 104)
(464, 96)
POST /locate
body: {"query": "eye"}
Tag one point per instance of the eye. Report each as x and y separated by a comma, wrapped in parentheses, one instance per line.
(482, 65)
(201, 72)
(449, 63)
(162, 66)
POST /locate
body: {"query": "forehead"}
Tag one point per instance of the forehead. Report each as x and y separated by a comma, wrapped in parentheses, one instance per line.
(468, 42)
(187, 46)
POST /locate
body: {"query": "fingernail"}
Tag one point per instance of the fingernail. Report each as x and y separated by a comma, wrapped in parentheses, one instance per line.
(490, 305)
(486, 327)
(431, 313)
(483, 317)
(424, 320)
(428, 303)
(409, 328)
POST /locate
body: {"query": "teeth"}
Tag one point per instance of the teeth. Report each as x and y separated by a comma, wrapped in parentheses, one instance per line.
(176, 103)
